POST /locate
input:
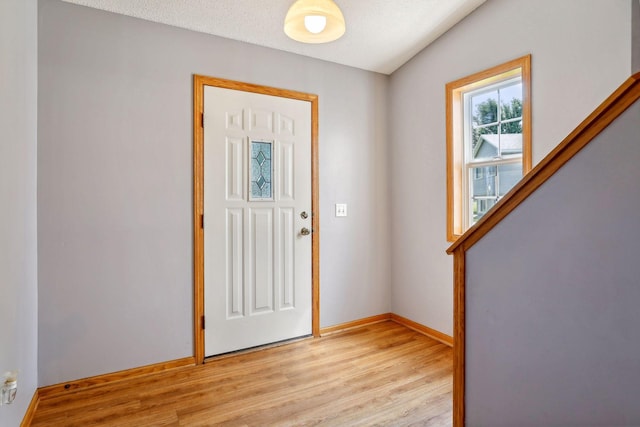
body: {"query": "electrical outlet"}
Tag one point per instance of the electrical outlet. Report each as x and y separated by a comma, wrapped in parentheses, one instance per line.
(341, 209)
(9, 388)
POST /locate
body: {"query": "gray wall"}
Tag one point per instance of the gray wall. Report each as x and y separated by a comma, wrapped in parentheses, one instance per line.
(552, 336)
(635, 33)
(580, 54)
(115, 185)
(18, 247)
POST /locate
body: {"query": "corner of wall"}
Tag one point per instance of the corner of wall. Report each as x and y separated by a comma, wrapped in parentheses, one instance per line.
(18, 197)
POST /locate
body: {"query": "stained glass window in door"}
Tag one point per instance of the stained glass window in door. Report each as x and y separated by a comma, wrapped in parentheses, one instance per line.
(261, 170)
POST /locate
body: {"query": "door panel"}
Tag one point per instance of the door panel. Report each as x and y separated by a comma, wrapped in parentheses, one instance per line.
(287, 171)
(261, 261)
(257, 182)
(235, 270)
(285, 271)
(235, 169)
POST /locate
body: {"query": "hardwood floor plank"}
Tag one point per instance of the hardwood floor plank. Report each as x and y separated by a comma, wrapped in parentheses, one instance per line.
(380, 374)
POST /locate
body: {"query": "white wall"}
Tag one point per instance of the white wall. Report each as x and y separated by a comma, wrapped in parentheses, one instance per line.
(115, 185)
(18, 247)
(552, 336)
(580, 54)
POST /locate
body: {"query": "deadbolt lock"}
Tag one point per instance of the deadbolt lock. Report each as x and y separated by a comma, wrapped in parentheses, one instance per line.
(304, 215)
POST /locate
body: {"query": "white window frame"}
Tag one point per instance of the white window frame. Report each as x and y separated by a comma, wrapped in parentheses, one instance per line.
(468, 163)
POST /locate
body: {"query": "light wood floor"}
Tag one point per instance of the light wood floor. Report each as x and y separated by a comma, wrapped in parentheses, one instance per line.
(382, 374)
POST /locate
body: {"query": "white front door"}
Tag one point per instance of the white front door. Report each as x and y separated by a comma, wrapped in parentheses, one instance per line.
(257, 211)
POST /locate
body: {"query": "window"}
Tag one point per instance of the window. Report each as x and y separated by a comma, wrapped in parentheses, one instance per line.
(488, 140)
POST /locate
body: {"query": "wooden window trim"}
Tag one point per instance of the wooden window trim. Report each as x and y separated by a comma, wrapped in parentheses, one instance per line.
(454, 121)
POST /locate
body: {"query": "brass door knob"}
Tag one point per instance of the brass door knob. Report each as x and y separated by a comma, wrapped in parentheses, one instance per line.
(305, 231)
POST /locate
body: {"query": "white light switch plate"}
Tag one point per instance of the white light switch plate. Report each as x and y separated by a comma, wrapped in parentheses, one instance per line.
(341, 209)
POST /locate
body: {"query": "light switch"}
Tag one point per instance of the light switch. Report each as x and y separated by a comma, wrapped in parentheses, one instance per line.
(341, 209)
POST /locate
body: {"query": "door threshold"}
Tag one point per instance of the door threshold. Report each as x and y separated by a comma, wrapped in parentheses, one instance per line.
(256, 348)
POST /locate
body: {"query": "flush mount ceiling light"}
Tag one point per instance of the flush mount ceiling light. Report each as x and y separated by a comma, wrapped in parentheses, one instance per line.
(314, 21)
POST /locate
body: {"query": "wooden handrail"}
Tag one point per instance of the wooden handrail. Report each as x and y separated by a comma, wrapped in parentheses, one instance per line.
(597, 121)
(625, 96)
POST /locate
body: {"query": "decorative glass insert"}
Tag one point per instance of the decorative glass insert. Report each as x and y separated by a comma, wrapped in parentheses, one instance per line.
(261, 170)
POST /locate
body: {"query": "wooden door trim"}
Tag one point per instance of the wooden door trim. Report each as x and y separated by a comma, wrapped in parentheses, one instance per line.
(199, 82)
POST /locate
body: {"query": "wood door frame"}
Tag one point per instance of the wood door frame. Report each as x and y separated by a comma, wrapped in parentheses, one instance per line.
(199, 82)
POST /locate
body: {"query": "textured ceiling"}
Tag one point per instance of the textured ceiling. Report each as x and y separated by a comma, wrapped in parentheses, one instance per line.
(381, 34)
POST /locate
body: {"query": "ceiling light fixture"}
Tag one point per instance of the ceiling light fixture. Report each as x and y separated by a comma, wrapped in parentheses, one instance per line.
(314, 21)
